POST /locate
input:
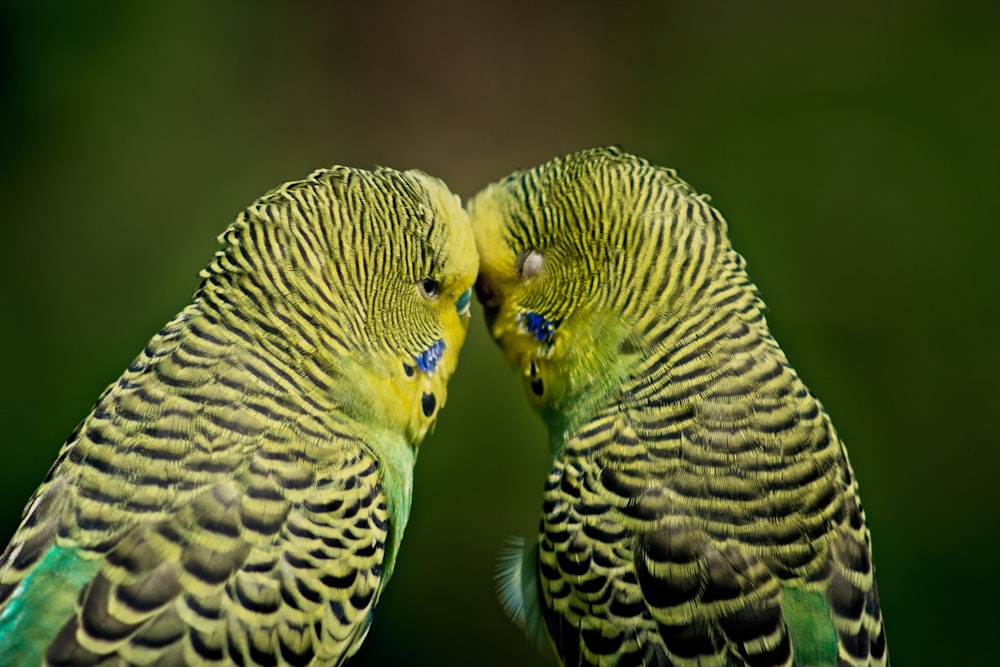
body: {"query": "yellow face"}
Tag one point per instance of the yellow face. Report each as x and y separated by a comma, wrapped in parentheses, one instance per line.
(453, 301)
(383, 262)
(554, 271)
(519, 284)
(498, 284)
(437, 310)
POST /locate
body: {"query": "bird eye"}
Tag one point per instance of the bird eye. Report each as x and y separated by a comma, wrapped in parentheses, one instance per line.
(528, 264)
(429, 288)
(463, 302)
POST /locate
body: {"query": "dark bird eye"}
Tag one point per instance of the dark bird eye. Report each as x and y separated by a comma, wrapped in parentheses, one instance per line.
(429, 288)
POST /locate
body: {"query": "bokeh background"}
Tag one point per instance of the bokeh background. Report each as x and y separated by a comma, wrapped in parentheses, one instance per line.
(853, 147)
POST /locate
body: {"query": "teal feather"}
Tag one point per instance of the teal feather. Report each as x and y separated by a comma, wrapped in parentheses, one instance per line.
(517, 586)
(44, 600)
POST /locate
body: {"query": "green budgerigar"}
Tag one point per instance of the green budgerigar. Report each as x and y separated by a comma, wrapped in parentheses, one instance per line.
(239, 495)
(700, 508)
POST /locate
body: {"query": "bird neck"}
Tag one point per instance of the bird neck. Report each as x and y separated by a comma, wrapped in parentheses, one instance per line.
(671, 347)
(583, 371)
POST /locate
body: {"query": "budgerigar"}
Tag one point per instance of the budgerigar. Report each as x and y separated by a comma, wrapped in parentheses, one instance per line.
(700, 508)
(239, 495)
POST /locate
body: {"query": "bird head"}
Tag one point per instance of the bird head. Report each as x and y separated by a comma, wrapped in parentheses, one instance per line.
(365, 275)
(577, 257)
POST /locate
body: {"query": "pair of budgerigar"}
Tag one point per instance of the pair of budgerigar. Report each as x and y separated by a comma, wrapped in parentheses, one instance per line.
(239, 495)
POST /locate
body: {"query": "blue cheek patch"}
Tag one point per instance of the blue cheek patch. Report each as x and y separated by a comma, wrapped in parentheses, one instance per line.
(537, 326)
(428, 360)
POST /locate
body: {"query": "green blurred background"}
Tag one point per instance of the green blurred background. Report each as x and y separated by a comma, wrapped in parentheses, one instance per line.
(854, 150)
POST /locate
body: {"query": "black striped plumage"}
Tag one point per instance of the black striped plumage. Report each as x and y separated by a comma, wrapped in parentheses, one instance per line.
(238, 496)
(700, 508)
